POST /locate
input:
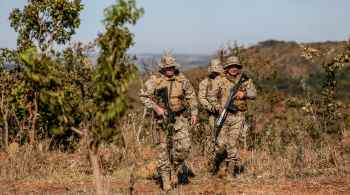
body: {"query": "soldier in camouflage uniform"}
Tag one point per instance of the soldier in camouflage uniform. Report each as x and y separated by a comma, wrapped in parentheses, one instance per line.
(214, 70)
(182, 98)
(235, 123)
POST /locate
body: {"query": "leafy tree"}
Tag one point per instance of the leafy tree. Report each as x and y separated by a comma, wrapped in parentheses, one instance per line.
(114, 70)
(53, 92)
(42, 90)
(110, 80)
(8, 81)
(45, 22)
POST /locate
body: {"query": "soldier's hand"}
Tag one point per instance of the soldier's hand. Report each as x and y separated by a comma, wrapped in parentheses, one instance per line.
(240, 95)
(160, 111)
(194, 120)
(218, 109)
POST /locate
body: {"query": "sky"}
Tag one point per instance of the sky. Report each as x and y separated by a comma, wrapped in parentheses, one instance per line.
(202, 26)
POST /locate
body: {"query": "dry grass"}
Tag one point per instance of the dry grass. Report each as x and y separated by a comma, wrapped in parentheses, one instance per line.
(279, 150)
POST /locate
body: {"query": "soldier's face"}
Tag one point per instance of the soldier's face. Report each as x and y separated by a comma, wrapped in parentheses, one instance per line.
(169, 72)
(233, 70)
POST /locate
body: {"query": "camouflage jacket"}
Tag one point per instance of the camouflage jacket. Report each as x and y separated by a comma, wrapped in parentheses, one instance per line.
(182, 93)
(204, 86)
(221, 91)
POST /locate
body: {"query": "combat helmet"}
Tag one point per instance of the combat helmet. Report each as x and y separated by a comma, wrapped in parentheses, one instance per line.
(232, 61)
(167, 61)
(215, 66)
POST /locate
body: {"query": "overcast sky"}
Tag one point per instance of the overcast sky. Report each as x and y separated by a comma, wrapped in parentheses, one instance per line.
(201, 26)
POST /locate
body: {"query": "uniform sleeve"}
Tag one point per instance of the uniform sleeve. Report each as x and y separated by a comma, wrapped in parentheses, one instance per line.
(202, 95)
(190, 97)
(147, 93)
(214, 94)
(250, 89)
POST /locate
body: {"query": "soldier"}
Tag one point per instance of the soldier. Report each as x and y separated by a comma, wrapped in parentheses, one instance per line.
(214, 70)
(226, 148)
(181, 99)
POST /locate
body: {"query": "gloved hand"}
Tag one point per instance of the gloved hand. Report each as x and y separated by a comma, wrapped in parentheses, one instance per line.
(216, 109)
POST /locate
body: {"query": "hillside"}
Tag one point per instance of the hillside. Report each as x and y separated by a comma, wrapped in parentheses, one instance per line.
(272, 63)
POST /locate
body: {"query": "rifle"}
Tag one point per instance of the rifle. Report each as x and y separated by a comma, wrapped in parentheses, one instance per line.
(229, 107)
(163, 96)
(168, 121)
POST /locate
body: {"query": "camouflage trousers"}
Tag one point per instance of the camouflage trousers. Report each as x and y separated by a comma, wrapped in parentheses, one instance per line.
(226, 149)
(209, 148)
(180, 150)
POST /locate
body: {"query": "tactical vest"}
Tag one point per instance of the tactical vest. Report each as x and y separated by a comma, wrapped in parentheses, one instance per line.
(175, 89)
(242, 105)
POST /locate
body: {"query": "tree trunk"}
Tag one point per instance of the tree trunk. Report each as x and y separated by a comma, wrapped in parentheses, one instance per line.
(5, 134)
(92, 148)
(95, 165)
(34, 120)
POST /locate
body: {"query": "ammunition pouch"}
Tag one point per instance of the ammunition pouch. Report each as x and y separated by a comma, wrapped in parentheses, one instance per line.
(239, 105)
(232, 108)
(172, 116)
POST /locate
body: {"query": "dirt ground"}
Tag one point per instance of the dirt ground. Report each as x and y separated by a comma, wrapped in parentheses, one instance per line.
(201, 184)
(208, 186)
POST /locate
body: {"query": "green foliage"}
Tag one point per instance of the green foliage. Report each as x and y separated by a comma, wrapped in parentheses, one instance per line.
(7, 56)
(52, 92)
(114, 70)
(46, 86)
(123, 13)
(42, 23)
(40, 95)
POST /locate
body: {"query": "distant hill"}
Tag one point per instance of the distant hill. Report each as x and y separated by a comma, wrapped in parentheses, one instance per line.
(270, 55)
(286, 57)
(187, 61)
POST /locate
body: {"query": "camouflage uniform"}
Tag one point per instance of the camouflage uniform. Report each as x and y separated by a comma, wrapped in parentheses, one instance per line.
(235, 123)
(206, 85)
(181, 98)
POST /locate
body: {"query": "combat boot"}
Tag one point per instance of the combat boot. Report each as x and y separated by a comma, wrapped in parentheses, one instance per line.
(213, 167)
(166, 182)
(184, 174)
(235, 168)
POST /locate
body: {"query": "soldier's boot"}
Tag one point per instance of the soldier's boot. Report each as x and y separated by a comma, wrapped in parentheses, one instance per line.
(184, 174)
(235, 168)
(213, 168)
(215, 162)
(166, 182)
(174, 179)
